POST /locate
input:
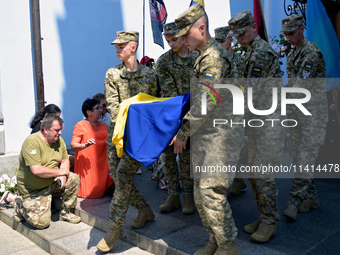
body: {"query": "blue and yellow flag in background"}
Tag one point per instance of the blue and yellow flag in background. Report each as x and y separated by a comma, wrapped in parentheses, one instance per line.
(197, 1)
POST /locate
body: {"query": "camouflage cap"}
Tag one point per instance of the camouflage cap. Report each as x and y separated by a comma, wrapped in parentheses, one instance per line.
(221, 32)
(185, 21)
(126, 36)
(239, 23)
(291, 23)
(169, 28)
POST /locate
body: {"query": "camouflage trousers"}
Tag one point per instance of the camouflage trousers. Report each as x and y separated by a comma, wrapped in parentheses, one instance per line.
(36, 207)
(125, 192)
(265, 147)
(135, 197)
(305, 141)
(210, 193)
(214, 209)
(171, 172)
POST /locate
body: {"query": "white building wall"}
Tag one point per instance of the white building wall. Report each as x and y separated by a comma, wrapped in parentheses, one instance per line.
(76, 53)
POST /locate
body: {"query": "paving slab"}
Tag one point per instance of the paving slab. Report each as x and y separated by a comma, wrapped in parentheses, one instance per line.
(59, 238)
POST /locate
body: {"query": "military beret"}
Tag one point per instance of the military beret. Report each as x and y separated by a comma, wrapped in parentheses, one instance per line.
(291, 23)
(126, 36)
(221, 32)
(239, 23)
(185, 21)
(169, 28)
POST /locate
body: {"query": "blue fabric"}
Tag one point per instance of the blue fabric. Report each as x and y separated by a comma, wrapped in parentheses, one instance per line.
(321, 32)
(158, 16)
(150, 127)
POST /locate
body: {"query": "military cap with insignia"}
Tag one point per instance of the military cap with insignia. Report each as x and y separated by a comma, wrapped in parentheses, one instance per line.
(126, 36)
(221, 32)
(239, 23)
(169, 28)
(185, 21)
(291, 23)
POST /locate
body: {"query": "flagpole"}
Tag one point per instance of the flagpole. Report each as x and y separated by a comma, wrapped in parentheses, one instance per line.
(143, 28)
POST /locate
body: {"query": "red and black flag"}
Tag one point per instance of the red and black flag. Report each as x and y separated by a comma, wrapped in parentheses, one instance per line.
(259, 20)
(158, 16)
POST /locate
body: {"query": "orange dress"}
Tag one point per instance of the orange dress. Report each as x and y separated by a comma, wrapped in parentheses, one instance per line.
(91, 163)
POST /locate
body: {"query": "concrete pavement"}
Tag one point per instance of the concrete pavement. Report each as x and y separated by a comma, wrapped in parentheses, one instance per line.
(316, 232)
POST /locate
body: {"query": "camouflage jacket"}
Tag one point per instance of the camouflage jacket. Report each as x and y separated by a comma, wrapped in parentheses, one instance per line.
(260, 66)
(306, 68)
(239, 62)
(212, 65)
(120, 84)
(174, 73)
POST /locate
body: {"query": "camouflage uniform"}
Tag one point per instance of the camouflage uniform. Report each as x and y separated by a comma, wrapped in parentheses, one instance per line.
(221, 33)
(209, 145)
(303, 65)
(37, 205)
(36, 192)
(174, 76)
(120, 84)
(265, 144)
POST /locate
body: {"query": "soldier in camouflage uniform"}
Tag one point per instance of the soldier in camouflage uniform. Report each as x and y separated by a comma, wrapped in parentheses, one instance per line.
(210, 145)
(304, 63)
(265, 144)
(174, 69)
(44, 161)
(122, 82)
(221, 36)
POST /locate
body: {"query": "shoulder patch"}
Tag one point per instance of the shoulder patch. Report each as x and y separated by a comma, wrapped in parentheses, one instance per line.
(306, 70)
(33, 151)
(208, 75)
(255, 75)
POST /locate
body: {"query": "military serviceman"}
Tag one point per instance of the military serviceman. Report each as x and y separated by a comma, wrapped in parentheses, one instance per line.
(45, 169)
(221, 36)
(306, 69)
(174, 69)
(210, 146)
(122, 82)
(265, 144)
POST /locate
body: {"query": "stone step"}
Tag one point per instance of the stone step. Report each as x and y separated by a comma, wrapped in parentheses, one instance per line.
(60, 238)
(95, 212)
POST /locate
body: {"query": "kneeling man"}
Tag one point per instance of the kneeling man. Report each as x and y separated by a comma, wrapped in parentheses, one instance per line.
(43, 170)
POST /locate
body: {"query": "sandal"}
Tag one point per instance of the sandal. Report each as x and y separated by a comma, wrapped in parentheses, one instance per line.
(4, 198)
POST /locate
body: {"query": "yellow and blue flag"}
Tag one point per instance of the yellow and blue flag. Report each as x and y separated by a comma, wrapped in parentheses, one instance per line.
(150, 127)
(197, 1)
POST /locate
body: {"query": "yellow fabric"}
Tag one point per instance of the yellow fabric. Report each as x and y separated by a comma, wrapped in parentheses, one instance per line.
(123, 109)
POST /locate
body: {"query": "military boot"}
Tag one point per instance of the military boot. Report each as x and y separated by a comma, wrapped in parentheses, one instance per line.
(230, 250)
(18, 208)
(188, 204)
(291, 212)
(252, 227)
(309, 204)
(264, 232)
(143, 216)
(239, 184)
(209, 249)
(107, 243)
(66, 215)
(172, 203)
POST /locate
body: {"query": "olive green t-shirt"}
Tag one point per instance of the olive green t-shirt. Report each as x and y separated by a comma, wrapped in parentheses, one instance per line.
(35, 151)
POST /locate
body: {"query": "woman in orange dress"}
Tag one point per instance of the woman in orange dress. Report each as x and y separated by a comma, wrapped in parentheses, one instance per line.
(89, 142)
